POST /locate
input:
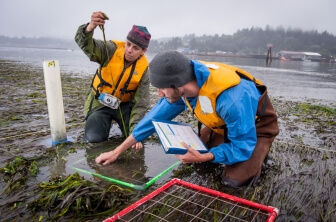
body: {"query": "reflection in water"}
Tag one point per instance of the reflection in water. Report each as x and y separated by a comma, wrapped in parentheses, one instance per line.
(129, 167)
(134, 167)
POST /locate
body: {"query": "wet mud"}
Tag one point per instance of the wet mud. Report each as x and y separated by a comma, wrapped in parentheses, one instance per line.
(299, 178)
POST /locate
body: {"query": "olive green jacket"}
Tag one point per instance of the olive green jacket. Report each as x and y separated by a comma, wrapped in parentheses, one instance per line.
(96, 51)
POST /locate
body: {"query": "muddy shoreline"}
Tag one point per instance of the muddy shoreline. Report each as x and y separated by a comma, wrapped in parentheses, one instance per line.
(300, 176)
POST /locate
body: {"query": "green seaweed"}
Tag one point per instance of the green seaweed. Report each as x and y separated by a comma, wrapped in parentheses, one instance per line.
(74, 196)
(17, 172)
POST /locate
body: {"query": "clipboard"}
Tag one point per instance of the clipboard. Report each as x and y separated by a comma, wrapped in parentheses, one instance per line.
(172, 134)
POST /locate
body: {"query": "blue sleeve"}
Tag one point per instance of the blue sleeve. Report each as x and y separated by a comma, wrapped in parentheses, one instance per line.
(162, 110)
(237, 106)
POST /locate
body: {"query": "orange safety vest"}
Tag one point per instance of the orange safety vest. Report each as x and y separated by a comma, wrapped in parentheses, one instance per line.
(113, 78)
(221, 77)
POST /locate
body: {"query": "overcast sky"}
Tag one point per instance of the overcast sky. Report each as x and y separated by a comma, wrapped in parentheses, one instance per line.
(163, 18)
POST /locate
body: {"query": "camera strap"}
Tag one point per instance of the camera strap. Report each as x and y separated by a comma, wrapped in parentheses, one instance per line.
(102, 82)
(124, 89)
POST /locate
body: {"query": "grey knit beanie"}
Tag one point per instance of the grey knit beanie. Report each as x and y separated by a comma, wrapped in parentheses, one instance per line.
(170, 69)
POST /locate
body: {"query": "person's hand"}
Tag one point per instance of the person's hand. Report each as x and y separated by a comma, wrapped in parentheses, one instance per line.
(111, 156)
(137, 146)
(193, 156)
(97, 19)
(107, 158)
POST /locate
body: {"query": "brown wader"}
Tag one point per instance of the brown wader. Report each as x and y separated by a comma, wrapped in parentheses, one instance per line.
(248, 172)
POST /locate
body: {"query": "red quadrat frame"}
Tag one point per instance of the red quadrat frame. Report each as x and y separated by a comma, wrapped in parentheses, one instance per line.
(269, 212)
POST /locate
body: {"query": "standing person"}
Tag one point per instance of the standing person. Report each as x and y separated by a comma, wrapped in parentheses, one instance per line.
(120, 87)
(240, 122)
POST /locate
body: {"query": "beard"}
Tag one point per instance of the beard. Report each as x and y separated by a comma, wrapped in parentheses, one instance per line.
(174, 98)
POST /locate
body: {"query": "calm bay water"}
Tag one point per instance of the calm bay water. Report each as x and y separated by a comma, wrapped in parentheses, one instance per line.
(291, 80)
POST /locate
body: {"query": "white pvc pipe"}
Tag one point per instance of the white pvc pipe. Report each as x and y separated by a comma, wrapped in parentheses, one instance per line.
(52, 79)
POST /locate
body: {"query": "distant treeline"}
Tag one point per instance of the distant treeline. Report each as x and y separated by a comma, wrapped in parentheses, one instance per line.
(254, 41)
(245, 41)
(42, 42)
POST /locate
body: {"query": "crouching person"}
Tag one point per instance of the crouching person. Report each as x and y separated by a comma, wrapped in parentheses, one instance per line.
(239, 119)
